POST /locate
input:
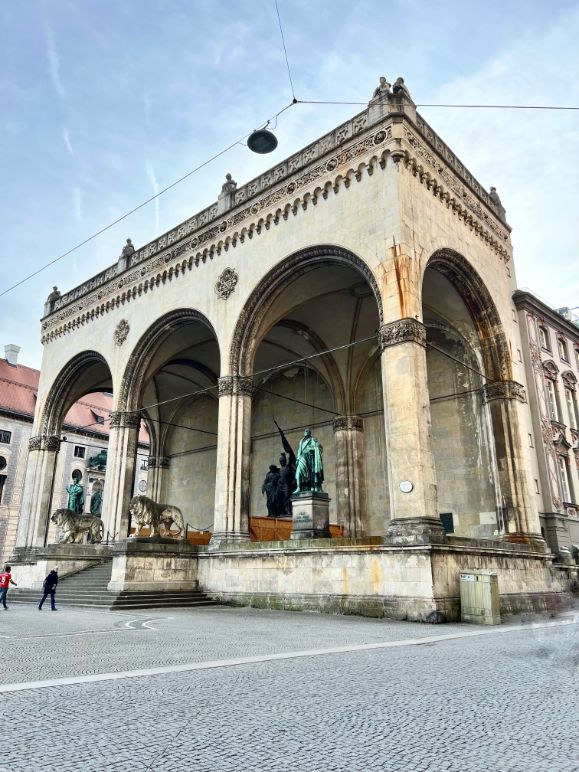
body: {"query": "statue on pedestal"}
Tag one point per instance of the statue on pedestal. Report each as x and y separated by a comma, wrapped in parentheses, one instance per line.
(96, 502)
(309, 465)
(382, 91)
(287, 470)
(128, 249)
(270, 488)
(75, 496)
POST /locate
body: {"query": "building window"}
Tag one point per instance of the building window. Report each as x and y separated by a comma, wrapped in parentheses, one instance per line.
(3, 479)
(563, 353)
(531, 441)
(537, 487)
(144, 464)
(565, 494)
(5, 437)
(544, 338)
(3, 462)
(79, 451)
(552, 401)
(447, 522)
(572, 408)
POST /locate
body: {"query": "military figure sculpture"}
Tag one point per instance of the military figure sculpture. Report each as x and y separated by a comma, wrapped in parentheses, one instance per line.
(75, 496)
(309, 465)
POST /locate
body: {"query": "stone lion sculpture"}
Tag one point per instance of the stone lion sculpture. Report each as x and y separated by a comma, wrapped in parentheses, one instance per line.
(147, 513)
(72, 525)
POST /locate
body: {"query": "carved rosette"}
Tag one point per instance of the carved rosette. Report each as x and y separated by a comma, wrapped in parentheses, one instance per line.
(504, 390)
(125, 419)
(238, 385)
(160, 462)
(348, 423)
(35, 443)
(402, 331)
(121, 332)
(226, 283)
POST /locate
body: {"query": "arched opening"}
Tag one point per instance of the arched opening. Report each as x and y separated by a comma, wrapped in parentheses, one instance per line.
(171, 379)
(466, 349)
(77, 418)
(307, 335)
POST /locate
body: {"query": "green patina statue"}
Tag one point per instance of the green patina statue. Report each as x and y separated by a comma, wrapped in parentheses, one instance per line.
(309, 472)
(75, 496)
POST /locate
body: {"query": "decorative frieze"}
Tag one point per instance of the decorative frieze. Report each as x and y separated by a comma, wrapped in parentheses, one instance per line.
(402, 331)
(348, 422)
(504, 390)
(125, 419)
(236, 385)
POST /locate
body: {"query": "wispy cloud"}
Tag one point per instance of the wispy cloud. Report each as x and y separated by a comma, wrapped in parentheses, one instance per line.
(66, 138)
(155, 185)
(53, 62)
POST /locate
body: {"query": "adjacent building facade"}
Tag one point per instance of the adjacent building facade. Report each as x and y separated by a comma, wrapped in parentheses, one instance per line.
(550, 341)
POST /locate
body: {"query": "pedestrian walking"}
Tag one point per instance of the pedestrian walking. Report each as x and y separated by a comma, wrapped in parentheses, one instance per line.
(49, 589)
(5, 581)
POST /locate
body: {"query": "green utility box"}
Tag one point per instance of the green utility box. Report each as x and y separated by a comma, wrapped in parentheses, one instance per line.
(479, 597)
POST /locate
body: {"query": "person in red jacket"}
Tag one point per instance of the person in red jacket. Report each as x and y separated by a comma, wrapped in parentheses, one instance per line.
(5, 581)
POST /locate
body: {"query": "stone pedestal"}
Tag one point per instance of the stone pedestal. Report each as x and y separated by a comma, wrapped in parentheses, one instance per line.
(154, 565)
(310, 516)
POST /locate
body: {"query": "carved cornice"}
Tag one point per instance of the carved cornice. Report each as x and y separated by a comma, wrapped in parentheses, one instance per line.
(236, 385)
(451, 191)
(504, 390)
(158, 263)
(125, 419)
(402, 331)
(348, 422)
(325, 167)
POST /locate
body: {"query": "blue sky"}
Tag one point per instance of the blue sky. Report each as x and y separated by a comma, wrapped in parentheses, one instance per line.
(106, 101)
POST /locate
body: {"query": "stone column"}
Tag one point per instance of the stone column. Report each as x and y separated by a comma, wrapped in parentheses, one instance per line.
(232, 483)
(504, 399)
(119, 481)
(156, 466)
(349, 473)
(38, 489)
(410, 461)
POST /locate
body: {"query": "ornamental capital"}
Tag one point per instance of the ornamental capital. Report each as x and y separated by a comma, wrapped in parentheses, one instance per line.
(402, 331)
(161, 462)
(504, 390)
(238, 385)
(125, 419)
(348, 423)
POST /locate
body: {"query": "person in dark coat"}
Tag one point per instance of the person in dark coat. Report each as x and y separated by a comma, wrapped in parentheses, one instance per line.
(49, 589)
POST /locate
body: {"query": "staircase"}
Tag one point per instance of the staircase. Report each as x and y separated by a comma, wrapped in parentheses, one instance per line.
(88, 588)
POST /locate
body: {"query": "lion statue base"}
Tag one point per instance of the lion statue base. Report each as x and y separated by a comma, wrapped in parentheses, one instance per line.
(71, 526)
(146, 513)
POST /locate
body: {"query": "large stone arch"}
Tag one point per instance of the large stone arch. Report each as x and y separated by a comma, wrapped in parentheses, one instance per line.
(146, 348)
(478, 300)
(244, 343)
(67, 387)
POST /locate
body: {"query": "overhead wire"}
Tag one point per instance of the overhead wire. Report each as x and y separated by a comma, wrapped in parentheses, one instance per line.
(289, 72)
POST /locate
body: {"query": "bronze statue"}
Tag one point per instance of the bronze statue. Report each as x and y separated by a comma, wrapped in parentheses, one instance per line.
(75, 496)
(270, 488)
(309, 465)
(96, 502)
(287, 470)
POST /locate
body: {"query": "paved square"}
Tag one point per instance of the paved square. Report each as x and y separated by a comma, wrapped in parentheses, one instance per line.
(242, 689)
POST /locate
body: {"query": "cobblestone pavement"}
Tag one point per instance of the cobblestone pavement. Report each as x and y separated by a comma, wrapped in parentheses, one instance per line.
(495, 701)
